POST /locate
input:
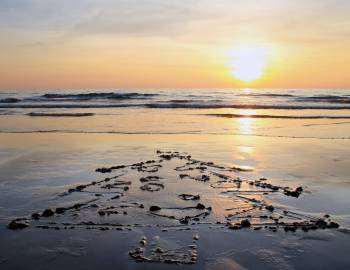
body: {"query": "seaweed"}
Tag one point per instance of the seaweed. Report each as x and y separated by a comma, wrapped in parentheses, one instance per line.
(113, 204)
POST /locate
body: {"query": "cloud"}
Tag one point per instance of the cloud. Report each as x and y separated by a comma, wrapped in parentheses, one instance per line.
(204, 21)
(103, 16)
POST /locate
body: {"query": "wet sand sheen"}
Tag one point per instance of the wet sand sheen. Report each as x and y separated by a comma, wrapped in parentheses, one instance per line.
(161, 237)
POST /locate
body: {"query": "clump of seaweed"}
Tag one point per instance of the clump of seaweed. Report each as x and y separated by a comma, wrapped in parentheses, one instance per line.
(249, 208)
(203, 211)
(189, 197)
(152, 187)
(158, 254)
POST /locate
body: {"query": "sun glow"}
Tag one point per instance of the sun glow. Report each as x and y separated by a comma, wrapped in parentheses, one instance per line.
(248, 63)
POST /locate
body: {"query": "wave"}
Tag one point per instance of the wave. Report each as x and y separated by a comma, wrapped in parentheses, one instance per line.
(179, 100)
(44, 114)
(199, 133)
(194, 102)
(325, 98)
(267, 95)
(189, 105)
(242, 106)
(228, 115)
(64, 106)
(328, 124)
(9, 100)
(89, 96)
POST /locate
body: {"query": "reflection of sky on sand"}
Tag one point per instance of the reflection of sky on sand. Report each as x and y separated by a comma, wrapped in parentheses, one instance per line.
(180, 121)
(246, 155)
(247, 124)
(246, 149)
(50, 162)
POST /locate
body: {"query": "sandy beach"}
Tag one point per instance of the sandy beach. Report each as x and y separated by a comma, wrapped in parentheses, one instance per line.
(160, 196)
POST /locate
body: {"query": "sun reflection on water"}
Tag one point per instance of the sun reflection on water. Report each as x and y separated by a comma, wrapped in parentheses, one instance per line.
(247, 91)
(246, 124)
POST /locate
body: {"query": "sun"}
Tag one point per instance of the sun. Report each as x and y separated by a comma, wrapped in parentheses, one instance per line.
(248, 63)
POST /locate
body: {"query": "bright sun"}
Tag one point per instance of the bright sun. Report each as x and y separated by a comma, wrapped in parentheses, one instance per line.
(248, 63)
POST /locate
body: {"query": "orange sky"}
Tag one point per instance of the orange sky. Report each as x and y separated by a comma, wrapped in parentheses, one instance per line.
(172, 44)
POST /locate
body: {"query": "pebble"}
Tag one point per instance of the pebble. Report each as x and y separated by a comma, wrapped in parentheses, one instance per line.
(48, 213)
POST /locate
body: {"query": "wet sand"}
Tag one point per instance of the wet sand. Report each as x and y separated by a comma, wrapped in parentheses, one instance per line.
(143, 209)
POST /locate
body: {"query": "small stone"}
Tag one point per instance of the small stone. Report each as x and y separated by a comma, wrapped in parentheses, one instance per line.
(292, 193)
(35, 216)
(48, 213)
(80, 188)
(270, 208)
(184, 220)
(321, 223)
(60, 210)
(18, 224)
(200, 206)
(305, 228)
(333, 224)
(159, 250)
(143, 179)
(299, 189)
(104, 170)
(143, 242)
(245, 223)
(205, 178)
(234, 227)
(154, 208)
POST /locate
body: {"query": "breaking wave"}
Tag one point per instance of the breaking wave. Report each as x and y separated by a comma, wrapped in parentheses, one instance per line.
(278, 116)
(89, 96)
(46, 114)
(182, 99)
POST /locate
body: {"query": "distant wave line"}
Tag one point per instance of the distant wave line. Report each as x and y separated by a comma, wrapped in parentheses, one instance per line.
(228, 115)
(171, 106)
(44, 114)
(172, 133)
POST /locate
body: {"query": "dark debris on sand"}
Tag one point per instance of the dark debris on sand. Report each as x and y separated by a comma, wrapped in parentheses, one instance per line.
(109, 198)
(156, 254)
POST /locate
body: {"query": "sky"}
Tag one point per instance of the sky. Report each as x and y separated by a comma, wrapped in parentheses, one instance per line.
(51, 44)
